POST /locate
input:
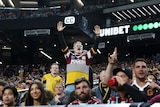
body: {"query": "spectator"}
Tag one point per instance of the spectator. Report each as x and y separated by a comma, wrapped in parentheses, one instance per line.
(125, 92)
(10, 96)
(156, 73)
(21, 72)
(154, 84)
(49, 96)
(95, 76)
(78, 61)
(83, 93)
(60, 98)
(52, 78)
(141, 82)
(35, 95)
(152, 77)
(28, 83)
(95, 79)
(102, 91)
(3, 84)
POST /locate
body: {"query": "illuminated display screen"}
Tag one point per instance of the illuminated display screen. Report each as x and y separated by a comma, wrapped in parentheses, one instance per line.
(146, 26)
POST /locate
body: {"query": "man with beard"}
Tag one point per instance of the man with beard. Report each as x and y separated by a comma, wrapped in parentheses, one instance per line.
(83, 93)
(123, 92)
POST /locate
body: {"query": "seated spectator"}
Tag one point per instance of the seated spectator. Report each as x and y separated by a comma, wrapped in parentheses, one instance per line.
(156, 73)
(83, 93)
(10, 96)
(141, 81)
(152, 77)
(49, 96)
(73, 97)
(95, 79)
(60, 98)
(28, 83)
(125, 92)
(35, 95)
(103, 92)
(154, 84)
(37, 80)
(3, 84)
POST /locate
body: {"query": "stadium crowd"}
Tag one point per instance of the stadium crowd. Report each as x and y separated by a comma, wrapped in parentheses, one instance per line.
(79, 82)
(23, 76)
(28, 13)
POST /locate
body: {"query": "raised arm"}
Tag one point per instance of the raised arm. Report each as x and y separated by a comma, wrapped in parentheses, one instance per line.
(60, 26)
(97, 33)
(60, 29)
(96, 30)
(112, 59)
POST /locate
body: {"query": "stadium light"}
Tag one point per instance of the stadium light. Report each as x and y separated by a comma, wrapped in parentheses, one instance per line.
(80, 2)
(6, 48)
(49, 57)
(10, 2)
(1, 3)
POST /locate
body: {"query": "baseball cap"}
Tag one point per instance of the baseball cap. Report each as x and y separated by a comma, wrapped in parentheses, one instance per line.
(125, 70)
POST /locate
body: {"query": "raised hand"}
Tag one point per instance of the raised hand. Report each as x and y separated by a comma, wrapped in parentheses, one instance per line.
(97, 30)
(111, 61)
(153, 85)
(113, 58)
(60, 26)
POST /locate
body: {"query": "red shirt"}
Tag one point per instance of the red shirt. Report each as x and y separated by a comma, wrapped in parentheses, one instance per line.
(92, 100)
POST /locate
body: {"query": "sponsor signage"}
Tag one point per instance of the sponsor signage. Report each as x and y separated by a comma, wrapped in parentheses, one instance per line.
(114, 30)
(126, 29)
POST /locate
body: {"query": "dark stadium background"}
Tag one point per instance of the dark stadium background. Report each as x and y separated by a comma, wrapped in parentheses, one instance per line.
(25, 49)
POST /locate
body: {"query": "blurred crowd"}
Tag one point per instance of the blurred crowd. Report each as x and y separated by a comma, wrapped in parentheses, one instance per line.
(22, 76)
(17, 13)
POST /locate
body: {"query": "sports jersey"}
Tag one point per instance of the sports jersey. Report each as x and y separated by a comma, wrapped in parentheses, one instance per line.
(117, 99)
(77, 66)
(51, 81)
(146, 89)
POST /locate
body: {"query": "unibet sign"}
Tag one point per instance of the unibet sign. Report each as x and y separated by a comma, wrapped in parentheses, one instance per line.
(114, 30)
(146, 26)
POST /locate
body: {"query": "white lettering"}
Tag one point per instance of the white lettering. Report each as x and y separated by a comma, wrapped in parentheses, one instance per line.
(78, 61)
(107, 31)
(114, 30)
(102, 32)
(69, 20)
(121, 31)
(126, 28)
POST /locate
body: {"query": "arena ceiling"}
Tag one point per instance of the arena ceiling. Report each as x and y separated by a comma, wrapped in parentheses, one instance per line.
(74, 3)
(16, 48)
